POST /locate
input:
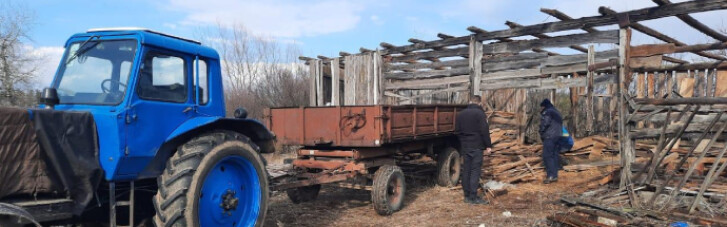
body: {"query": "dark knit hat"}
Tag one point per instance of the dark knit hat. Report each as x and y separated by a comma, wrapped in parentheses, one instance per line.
(546, 103)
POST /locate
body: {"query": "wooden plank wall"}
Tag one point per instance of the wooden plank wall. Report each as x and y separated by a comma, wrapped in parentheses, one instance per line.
(507, 75)
(361, 81)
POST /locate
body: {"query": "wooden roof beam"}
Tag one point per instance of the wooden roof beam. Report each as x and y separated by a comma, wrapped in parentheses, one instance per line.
(564, 17)
(544, 36)
(477, 30)
(386, 45)
(304, 58)
(344, 54)
(413, 40)
(674, 60)
(594, 21)
(695, 23)
(653, 33)
(444, 36)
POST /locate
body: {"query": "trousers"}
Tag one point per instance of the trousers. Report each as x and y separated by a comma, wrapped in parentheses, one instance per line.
(551, 157)
(471, 171)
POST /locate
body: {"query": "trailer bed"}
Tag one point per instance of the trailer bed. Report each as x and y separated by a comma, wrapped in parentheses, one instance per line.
(360, 126)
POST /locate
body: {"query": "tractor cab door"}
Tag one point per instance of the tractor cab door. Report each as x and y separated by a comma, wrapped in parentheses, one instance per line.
(163, 100)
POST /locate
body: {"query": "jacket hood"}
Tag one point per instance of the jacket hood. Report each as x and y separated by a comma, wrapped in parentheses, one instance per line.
(546, 103)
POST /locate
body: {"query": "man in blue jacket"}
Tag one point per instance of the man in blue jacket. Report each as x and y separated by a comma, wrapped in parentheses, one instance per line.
(474, 136)
(551, 131)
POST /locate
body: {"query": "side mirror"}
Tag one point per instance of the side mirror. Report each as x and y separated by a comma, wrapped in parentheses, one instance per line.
(241, 113)
(49, 97)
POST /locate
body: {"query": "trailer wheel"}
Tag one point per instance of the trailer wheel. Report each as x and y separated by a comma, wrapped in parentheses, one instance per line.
(448, 167)
(216, 179)
(303, 194)
(387, 193)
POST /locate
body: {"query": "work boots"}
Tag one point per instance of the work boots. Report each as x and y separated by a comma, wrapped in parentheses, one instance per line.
(549, 180)
(476, 201)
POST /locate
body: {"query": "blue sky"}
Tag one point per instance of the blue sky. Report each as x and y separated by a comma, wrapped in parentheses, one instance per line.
(321, 27)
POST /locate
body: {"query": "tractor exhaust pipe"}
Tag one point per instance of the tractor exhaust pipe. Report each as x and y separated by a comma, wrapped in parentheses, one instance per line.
(49, 98)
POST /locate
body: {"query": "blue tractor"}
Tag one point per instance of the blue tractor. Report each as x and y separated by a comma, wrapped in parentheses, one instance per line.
(133, 111)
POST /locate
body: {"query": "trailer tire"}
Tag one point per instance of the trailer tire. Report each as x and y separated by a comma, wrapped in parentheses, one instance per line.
(303, 194)
(448, 167)
(197, 170)
(387, 193)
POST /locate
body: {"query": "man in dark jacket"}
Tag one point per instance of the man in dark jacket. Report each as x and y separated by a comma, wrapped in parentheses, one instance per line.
(551, 129)
(474, 136)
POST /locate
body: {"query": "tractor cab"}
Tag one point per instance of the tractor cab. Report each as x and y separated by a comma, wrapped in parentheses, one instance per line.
(140, 86)
(131, 107)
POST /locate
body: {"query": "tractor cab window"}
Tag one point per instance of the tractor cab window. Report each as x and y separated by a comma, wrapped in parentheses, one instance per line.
(95, 72)
(163, 78)
(204, 88)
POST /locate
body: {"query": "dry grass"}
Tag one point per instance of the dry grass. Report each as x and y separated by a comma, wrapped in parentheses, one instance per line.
(429, 205)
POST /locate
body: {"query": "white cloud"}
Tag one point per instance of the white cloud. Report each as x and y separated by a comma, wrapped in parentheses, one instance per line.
(411, 18)
(278, 18)
(48, 59)
(376, 20)
(475, 9)
(170, 25)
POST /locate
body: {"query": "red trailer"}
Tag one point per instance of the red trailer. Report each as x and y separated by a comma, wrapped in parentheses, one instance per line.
(361, 146)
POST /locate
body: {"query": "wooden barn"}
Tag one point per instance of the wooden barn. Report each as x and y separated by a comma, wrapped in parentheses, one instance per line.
(631, 93)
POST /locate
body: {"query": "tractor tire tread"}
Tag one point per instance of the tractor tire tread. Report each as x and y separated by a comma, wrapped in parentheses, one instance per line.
(171, 200)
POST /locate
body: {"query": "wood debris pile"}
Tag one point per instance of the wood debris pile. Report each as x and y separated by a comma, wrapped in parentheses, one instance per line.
(589, 211)
(512, 162)
(685, 186)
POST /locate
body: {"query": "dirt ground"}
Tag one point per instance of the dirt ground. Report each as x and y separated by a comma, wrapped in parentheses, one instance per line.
(426, 204)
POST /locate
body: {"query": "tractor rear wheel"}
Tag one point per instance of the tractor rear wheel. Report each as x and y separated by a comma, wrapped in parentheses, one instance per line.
(387, 193)
(216, 179)
(448, 167)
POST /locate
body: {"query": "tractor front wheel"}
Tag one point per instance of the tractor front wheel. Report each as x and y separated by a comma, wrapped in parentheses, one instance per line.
(216, 179)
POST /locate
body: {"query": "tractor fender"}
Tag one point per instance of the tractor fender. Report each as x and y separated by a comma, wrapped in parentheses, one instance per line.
(190, 125)
(253, 129)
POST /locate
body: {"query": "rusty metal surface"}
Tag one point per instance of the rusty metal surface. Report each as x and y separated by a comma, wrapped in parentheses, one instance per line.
(360, 126)
(334, 170)
(326, 153)
(320, 164)
(356, 154)
(321, 179)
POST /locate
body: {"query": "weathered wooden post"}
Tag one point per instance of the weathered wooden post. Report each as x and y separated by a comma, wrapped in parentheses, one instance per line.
(336, 81)
(314, 70)
(589, 91)
(625, 148)
(475, 56)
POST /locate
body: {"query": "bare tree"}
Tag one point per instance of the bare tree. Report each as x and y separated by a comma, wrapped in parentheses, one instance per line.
(259, 71)
(722, 52)
(17, 67)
